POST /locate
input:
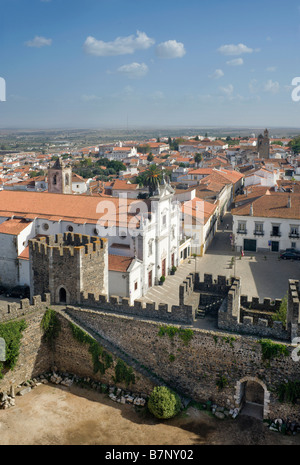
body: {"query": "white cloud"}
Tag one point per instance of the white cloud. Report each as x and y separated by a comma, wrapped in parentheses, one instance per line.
(38, 42)
(217, 74)
(90, 98)
(232, 49)
(170, 49)
(119, 46)
(227, 90)
(157, 95)
(253, 86)
(272, 86)
(235, 62)
(134, 70)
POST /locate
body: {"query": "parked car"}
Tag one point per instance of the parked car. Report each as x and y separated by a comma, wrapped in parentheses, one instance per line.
(290, 255)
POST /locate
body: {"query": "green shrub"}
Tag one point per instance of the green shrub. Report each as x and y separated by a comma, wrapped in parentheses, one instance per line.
(281, 313)
(164, 403)
(289, 392)
(222, 382)
(50, 324)
(123, 373)
(95, 350)
(185, 334)
(11, 332)
(271, 349)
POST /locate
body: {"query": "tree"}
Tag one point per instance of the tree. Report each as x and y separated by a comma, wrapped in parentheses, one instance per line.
(164, 403)
(150, 157)
(152, 178)
(158, 139)
(198, 158)
(295, 144)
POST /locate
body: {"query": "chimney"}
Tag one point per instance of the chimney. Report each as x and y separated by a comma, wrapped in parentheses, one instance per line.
(251, 209)
(289, 204)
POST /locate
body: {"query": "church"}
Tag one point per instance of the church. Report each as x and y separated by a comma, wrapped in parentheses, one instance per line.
(142, 235)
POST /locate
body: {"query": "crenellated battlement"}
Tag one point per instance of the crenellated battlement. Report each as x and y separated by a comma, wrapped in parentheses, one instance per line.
(68, 245)
(181, 313)
(15, 310)
(241, 315)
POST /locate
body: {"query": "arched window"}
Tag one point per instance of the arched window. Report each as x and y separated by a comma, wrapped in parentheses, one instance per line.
(55, 179)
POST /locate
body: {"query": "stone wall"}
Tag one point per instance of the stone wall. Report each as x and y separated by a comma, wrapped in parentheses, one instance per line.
(240, 315)
(74, 357)
(34, 356)
(194, 369)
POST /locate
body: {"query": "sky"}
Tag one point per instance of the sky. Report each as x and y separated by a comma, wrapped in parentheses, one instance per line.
(155, 63)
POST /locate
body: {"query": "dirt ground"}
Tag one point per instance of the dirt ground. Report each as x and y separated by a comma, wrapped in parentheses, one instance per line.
(51, 415)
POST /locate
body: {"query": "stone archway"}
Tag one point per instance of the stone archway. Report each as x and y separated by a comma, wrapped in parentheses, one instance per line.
(252, 397)
(62, 295)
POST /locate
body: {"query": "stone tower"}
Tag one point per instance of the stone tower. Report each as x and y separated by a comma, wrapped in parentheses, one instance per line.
(263, 145)
(60, 178)
(65, 266)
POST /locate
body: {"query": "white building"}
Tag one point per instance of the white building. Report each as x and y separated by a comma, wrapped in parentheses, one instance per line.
(144, 231)
(268, 223)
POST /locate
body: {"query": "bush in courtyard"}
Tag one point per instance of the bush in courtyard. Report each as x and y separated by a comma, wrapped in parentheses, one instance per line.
(164, 403)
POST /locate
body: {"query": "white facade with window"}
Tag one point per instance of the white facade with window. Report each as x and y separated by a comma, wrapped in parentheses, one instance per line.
(266, 234)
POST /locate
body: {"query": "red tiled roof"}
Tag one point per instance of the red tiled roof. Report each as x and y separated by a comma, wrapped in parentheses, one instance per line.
(13, 226)
(119, 263)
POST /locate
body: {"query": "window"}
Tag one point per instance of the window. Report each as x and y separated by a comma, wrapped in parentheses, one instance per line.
(294, 231)
(150, 247)
(55, 179)
(67, 179)
(45, 226)
(242, 227)
(135, 285)
(293, 245)
(259, 229)
(70, 228)
(275, 230)
(164, 220)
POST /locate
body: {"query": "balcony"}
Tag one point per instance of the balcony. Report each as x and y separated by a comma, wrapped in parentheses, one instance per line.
(241, 231)
(294, 235)
(258, 233)
(275, 234)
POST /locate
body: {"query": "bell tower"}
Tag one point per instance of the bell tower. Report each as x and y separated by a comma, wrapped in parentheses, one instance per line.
(263, 145)
(60, 178)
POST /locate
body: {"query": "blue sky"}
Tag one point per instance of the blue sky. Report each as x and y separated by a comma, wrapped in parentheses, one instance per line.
(109, 63)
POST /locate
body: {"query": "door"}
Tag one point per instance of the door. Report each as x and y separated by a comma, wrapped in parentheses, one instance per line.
(150, 279)
(163, 267)
(62, 295)
(173, 259)
(250, 245)
(275, 246)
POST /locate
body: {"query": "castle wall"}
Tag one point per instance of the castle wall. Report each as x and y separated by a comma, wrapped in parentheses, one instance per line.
(34, 355)
(194, 369)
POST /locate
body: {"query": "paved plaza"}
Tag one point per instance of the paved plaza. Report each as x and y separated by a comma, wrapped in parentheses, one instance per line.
(262, 274)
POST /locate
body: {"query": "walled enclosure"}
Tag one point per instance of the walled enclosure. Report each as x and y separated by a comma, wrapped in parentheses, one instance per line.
(194, 367)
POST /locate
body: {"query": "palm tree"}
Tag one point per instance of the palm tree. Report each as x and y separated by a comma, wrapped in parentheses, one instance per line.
(153, 178)
(198, 158)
